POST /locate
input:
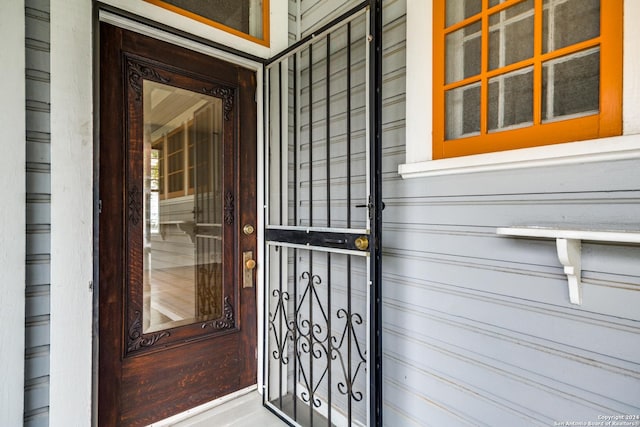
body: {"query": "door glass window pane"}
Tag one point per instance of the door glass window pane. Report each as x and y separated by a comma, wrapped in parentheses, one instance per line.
(571, 85)
(567, 22)
(182, 234)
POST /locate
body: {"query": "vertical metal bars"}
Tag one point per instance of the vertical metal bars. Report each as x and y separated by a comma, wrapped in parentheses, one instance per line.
(328, 201)
(295, 220)
(319, 349)
(375, 212)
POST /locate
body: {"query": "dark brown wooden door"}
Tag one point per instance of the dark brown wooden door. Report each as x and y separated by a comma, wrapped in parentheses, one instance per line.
(177, 184)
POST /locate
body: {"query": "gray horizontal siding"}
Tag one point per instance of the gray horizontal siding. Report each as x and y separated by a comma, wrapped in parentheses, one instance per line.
(293, 19)
(38, 204)
(315, 13)
(478, 329)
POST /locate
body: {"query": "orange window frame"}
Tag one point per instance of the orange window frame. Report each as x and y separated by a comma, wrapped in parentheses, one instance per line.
(608, 122)
(264, 41)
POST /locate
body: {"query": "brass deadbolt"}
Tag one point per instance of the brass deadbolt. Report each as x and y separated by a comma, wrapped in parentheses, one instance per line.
(248, 229)
(250, 264)
(362, 243)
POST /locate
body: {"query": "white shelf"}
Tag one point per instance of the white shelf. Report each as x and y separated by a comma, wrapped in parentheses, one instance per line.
(616, 236)
(569, 247)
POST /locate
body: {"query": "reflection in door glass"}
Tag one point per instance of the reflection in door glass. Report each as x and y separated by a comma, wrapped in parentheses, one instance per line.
(182, 208)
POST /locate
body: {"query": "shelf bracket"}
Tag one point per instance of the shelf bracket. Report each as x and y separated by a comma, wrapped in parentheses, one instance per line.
(570, 256)
(569, 246)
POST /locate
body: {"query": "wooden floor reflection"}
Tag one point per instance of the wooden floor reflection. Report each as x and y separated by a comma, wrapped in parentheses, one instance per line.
(172, 294)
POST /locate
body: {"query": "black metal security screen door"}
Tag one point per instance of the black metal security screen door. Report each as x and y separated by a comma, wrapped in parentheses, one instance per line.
(322, 294)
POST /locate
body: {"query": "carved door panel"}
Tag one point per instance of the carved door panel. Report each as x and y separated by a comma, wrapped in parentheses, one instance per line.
(177, 180)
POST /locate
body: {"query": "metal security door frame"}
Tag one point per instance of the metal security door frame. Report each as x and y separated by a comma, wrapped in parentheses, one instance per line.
(334, 240)
(376, 205)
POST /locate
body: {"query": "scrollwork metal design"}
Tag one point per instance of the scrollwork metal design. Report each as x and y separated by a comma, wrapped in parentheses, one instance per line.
(313, 341)
(280, 353)
(309, 338)
(348, 333)
(208, 290)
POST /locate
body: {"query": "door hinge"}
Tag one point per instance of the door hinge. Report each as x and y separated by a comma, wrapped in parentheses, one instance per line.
(99, 206)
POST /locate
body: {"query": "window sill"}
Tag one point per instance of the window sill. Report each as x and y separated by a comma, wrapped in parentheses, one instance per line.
(597, 150)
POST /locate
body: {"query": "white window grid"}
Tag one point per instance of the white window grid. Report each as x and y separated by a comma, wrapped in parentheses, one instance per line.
(501, 25)
(550, 6)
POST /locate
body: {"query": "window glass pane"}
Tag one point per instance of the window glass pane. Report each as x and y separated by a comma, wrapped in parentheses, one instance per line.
(571, 85)
(191, 159)
(463, 111)
(511, 35)
(176, 141)
(566, 22)
(519, 9)
(459, 10)
(511, 99)
(463, 53)
(242, 15)
(182, 235)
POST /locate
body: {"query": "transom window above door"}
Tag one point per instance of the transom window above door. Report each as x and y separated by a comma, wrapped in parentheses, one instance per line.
(521, 73)
(248, 19)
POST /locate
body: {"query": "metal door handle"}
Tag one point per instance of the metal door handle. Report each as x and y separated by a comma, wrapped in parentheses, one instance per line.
(362, 243)
(248, 264)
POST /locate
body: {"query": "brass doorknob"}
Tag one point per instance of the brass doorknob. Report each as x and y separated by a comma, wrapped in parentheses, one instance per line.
(362, 243)
(250, 264)
(248, 229)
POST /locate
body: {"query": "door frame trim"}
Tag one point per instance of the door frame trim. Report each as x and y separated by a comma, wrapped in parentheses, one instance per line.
(246, 61)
